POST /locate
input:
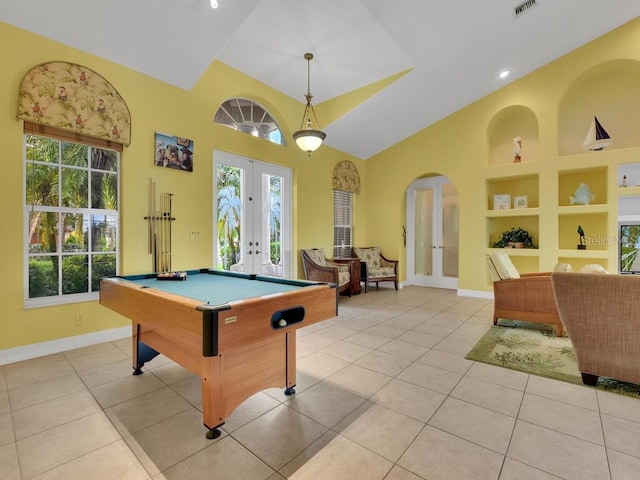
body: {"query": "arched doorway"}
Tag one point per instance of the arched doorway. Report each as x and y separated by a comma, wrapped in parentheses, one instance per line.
(432, 233)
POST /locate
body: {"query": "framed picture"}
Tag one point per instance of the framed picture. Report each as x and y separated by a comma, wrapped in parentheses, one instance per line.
(520, 201)
(502, 202)
(173, 152)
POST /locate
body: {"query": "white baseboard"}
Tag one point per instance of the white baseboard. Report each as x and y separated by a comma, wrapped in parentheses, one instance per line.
(35, 350)
(475, 293)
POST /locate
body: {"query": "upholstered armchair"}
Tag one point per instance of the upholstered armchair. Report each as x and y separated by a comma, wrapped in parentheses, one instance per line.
(527, 297)
(375, 268)
(600, 313)
(318, 269)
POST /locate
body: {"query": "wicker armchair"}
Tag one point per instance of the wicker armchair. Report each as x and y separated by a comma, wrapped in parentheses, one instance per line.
(375, 268)
(527, 297)
(318, 269)
(600, 313)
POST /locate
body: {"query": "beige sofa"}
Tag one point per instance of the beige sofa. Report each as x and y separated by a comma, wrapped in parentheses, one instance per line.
(601, 314)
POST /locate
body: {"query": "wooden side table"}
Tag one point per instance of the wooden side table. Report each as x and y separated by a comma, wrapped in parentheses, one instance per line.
(354, 273)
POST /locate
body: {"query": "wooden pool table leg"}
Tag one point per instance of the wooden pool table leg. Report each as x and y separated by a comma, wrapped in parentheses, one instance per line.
(212, 401)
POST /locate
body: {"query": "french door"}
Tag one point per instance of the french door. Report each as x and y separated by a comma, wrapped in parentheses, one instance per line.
(252, 216)
(432, 233)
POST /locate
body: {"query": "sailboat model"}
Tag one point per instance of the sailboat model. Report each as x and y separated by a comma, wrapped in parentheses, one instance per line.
(597, 137)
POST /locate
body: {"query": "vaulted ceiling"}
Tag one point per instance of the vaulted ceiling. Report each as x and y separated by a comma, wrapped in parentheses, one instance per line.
(441, 55)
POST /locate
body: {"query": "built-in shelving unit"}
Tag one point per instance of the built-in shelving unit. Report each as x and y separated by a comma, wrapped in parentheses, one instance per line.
(552, 169)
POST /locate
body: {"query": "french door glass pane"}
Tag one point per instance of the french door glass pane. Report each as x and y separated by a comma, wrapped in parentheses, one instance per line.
(229, 182)
(450, 212)
(424, 232)
(271, 225)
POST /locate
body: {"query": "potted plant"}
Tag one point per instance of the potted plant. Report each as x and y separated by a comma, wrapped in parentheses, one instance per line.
(515, 238)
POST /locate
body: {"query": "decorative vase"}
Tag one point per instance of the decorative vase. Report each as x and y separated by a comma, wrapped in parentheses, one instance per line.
(519, 244)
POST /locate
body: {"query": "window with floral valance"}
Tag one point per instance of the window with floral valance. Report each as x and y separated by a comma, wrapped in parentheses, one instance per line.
(346, 177)
(74, 98)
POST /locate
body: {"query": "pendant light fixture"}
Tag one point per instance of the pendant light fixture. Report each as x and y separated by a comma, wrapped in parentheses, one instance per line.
(309, 137)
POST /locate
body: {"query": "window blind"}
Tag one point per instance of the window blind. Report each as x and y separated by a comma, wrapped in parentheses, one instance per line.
(342, 223)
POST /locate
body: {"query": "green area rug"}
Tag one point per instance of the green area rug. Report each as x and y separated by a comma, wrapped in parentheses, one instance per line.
(529, 348)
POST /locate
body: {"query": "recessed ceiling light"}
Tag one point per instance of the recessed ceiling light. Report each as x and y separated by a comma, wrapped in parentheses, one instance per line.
(214, 3)
(504, 73)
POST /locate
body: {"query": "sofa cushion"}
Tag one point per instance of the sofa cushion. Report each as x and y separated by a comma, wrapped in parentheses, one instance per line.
(381, 272)
(563, 267)
(371, 255)
(502, 263)
(492, 270)
(593, 268)
(317, 256)
(343, 277)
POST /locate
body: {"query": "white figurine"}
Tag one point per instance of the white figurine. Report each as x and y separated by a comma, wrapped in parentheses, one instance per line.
(517, 147)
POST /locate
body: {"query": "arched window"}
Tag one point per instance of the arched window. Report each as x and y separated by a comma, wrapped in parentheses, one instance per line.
(249, 117)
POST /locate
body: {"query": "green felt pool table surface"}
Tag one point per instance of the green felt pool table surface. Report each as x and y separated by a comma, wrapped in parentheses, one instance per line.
(216, 287)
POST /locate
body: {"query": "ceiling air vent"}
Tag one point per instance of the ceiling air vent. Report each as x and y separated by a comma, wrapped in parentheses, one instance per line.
(524, 7)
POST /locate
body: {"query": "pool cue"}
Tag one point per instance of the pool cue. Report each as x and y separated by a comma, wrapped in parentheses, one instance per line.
(149, 215)
(154, 223)
(168, 232)
(164, 232)
(162, 227)
(170, 220)
(161, 230)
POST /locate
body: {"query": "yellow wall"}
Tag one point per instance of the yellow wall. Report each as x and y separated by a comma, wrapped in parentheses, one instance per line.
(155, 106)
(456, 147)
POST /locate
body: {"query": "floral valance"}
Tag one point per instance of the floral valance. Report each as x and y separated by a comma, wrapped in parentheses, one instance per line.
(346, 177)
(72, 97)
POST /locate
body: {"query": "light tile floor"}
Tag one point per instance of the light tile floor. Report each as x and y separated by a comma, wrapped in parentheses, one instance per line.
(384, 392)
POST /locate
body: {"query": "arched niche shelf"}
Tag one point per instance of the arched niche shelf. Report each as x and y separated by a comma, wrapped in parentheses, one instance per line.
(609, 91)
(509, 123)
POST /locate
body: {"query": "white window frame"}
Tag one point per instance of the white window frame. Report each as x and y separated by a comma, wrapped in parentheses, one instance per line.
(88, 212)
(249, 117)
(342, 223)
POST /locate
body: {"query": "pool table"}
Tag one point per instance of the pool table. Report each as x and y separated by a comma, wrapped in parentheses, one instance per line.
(236, 331)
